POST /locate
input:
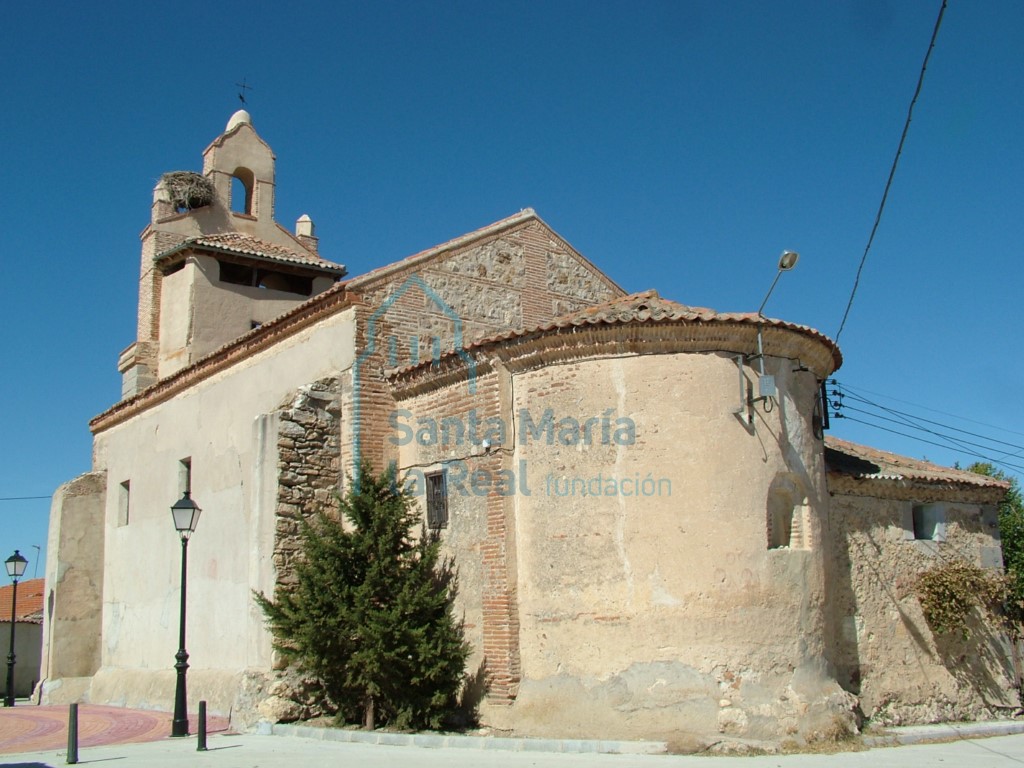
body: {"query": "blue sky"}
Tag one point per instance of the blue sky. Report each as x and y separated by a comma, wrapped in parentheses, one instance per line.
(680, 146)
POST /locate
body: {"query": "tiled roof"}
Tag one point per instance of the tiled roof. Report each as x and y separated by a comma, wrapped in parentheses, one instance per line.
(31, 597)
(864, 463)
(648, 306)
(245, 245)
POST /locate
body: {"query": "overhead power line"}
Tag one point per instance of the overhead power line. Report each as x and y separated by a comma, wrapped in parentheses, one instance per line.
(892, 169)
(982, 447)
(862, 392)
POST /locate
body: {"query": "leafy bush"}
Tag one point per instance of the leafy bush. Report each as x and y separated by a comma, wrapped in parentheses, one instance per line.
(951, 590)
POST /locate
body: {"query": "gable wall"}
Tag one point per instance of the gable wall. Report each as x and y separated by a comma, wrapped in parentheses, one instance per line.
(517, 278)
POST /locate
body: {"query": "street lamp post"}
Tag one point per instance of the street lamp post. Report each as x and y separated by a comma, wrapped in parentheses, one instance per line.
(15, 569)
(186, 516)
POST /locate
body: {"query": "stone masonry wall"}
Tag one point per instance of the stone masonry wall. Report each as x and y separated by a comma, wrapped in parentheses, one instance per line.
(882, 648)
(309, 464)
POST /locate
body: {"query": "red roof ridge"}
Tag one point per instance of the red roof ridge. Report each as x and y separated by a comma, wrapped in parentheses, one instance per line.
(864, 462)
(248, 245)
(643, 306)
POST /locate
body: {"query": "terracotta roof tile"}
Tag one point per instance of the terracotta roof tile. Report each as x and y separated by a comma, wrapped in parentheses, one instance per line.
(31, 598)
(648, 306)
(862, 462)
(245, 245)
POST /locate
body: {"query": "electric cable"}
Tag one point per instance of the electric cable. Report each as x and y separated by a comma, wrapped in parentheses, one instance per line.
(862, 391)
(892, 170)
(931, 442)
(936, 423)
(982, 450)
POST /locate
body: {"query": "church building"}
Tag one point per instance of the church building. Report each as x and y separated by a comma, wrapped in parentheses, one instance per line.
(655, 538)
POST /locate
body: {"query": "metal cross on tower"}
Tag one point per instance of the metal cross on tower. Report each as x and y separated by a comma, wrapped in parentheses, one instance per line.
(245, 87)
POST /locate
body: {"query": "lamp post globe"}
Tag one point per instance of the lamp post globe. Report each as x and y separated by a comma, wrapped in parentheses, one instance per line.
(186, 516)
(16, 564)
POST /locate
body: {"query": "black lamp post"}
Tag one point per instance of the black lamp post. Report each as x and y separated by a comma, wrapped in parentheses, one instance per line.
(15, 569)
(186, 515)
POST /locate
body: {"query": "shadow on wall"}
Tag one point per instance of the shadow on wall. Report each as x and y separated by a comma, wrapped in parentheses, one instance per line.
(474, 689)
(971, 660)
(870, 577)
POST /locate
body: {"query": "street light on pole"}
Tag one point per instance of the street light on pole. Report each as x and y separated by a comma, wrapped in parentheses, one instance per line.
(15, 569)
(186, 516)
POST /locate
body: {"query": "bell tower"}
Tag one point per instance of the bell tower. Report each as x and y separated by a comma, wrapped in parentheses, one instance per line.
(215, 263)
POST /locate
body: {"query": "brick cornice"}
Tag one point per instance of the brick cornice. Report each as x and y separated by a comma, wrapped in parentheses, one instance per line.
(541, 348)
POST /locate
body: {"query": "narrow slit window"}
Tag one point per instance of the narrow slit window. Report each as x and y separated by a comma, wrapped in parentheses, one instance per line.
(185, 475)
(437, 501)
(124, 499)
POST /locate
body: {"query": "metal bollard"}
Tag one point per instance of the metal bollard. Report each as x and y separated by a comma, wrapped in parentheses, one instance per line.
(72, 735)
(201, 745)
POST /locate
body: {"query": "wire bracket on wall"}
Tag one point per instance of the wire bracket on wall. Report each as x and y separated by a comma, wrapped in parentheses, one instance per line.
(745, 411)
(767, 390)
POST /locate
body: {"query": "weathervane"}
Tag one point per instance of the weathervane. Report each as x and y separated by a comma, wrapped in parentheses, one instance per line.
(245, 87)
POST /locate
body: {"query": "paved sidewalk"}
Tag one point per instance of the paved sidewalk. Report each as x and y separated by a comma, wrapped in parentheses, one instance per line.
(36, 737)
(255, 751)
(31, 728)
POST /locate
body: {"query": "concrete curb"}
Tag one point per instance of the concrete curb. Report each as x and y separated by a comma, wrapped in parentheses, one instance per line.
(458, 741)
(922, 734)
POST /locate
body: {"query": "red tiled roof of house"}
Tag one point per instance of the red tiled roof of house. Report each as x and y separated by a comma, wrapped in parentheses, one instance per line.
(31, 598)
(864, 463)
(246, 245)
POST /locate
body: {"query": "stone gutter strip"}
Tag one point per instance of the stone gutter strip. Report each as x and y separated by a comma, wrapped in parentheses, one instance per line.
(460, 741)
(924, 734)
(890, 737)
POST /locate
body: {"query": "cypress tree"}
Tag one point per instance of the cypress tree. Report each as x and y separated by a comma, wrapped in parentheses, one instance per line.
(371, 610)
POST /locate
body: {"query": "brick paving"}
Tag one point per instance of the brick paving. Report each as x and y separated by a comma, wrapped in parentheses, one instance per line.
(29, 728)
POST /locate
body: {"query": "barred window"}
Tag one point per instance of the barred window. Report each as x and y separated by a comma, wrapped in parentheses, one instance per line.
(437, 500)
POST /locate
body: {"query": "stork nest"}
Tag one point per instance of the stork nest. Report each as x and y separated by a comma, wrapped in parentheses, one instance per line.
(188, 189)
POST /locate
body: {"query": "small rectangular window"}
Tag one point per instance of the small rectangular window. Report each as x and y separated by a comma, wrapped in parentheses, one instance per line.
(124, 493)
(929, 522)
(185, 475)
(437, 500)
(236, 274)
